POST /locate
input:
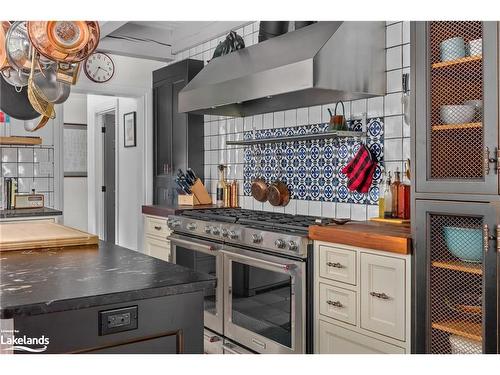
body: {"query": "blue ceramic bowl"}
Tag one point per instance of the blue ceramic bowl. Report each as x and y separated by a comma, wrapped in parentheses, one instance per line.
(464, 243)
(452, 49)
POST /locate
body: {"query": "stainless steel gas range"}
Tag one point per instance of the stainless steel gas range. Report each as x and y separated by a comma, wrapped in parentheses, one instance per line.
(263, 264)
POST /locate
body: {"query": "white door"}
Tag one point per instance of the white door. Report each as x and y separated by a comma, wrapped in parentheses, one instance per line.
(383, 295)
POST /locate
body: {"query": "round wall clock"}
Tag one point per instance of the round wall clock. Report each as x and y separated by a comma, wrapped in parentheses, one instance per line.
(99, 67)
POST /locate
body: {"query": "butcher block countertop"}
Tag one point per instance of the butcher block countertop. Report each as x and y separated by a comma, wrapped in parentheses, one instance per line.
(395, 238)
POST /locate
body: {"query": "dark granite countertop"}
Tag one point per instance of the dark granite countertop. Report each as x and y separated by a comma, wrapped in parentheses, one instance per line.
(164, 211)
(41, 281)
(29, 212)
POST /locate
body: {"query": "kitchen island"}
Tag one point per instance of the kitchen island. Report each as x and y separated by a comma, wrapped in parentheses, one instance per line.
(104, 299)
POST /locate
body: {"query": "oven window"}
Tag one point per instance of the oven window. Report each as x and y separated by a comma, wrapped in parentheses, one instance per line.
(261, 302)
(199, 262)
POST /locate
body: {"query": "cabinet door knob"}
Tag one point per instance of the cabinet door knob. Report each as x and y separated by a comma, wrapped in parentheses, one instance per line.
(379, 295)
(334, 265)
(157, 227)
(335, 303)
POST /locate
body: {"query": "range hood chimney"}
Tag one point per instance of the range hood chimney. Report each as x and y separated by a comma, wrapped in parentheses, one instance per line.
(318, 64)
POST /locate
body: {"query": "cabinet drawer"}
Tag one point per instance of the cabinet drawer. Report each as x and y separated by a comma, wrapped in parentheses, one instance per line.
(337, 264)
(337, 303)
(337, 340)
(156, 227)
(158, 248)
(383, 295)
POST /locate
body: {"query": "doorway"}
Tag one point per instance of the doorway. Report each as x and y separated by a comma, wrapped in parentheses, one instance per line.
(108, 188)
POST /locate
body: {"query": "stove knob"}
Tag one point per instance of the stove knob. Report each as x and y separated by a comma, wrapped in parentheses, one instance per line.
(233, 235)
(208, 229)
(174, 224)
(280, 244)
(256, 238)
(292, 245)
(215, 231)
(225, 233)
(191, 226)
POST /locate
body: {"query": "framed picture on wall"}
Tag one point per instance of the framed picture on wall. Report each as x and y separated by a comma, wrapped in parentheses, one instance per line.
(130, 131)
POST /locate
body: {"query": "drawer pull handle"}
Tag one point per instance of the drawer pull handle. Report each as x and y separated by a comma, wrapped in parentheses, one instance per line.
(335, 265)
(379, 295)
(157, 227)
(335, 303)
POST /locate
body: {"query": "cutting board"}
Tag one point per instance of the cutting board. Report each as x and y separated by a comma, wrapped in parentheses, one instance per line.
(25, 235)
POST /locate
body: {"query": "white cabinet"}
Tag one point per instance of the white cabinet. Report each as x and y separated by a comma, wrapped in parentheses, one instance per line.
(383, 295)
(337, 340)
(156, 233)
(361, 300)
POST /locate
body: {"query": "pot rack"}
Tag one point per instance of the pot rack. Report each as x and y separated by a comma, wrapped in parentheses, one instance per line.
(306, 137)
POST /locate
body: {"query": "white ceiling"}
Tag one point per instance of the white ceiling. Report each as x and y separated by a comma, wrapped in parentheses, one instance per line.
(159, 40)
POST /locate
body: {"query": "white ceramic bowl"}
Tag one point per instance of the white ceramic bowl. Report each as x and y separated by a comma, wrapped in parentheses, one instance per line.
(462, 345)
(475, 47)
(457, 114)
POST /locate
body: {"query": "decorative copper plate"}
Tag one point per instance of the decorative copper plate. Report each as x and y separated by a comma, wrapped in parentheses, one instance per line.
(64, 41)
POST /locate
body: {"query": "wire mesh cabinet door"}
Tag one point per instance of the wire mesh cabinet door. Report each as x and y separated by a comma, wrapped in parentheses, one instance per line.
(455, 108)
(456, 278)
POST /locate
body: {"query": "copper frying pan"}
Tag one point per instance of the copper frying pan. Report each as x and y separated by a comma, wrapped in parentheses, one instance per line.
(4, 27)
(278, 193)
(259, 185)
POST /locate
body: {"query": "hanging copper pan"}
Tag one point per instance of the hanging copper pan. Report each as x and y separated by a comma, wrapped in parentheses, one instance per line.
(278, 193)
(4, 27)
(64, 41)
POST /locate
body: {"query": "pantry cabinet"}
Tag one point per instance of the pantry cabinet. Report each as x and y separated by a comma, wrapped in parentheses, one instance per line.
(455, 94)
(455, 216)
(365, 308)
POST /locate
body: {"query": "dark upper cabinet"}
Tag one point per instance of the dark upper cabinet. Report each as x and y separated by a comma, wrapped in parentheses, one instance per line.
(177, 137)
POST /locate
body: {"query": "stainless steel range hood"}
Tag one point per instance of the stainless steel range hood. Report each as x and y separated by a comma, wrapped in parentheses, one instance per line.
(318, 64)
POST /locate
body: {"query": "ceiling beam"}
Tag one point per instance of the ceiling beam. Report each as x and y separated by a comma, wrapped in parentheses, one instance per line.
(195, 32)
(107, 27)
(146, 42)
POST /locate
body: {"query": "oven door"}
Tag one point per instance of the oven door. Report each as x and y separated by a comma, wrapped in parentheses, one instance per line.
(264, 301)
(203, 256)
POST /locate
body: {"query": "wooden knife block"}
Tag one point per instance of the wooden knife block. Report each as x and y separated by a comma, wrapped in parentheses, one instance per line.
(199, 196)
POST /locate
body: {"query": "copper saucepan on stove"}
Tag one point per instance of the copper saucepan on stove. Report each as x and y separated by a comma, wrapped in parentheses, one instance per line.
(259, 184)
(4, 28)
(278, 193)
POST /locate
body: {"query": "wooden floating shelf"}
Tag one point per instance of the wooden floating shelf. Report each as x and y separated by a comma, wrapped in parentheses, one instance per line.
(470, 125)
(463, 60)
(469, 330)
(474, 268)
(20, 141)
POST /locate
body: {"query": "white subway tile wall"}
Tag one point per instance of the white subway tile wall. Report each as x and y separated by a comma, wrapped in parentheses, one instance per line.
(218, 129)
(34, 167)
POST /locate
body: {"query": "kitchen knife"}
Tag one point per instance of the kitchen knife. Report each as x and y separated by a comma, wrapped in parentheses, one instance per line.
(192, 175)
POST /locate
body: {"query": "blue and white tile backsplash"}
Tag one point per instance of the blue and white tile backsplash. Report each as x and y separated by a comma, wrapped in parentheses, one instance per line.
(312, 169)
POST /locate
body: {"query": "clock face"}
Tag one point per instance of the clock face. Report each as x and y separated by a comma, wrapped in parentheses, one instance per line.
(99, 67)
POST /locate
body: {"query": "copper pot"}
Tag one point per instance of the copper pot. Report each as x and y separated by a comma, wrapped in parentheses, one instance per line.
(4, 62)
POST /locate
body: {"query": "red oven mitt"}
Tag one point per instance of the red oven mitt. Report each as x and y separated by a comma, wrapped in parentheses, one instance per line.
(359, 170)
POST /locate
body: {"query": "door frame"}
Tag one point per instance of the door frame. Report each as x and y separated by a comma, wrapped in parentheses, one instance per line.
(99, 168)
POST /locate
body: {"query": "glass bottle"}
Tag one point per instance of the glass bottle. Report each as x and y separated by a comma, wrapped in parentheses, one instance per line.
(221, 186)
(387, 197)
(395, 193)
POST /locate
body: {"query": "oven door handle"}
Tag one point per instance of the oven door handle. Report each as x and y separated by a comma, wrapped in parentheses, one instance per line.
(287, 267)
(192, 244)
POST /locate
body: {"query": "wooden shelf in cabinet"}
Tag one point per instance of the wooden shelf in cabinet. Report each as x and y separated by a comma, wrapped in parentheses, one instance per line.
(463, 60)
(461, 328)
(20, 141)
(474, 268)
(470, 125)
